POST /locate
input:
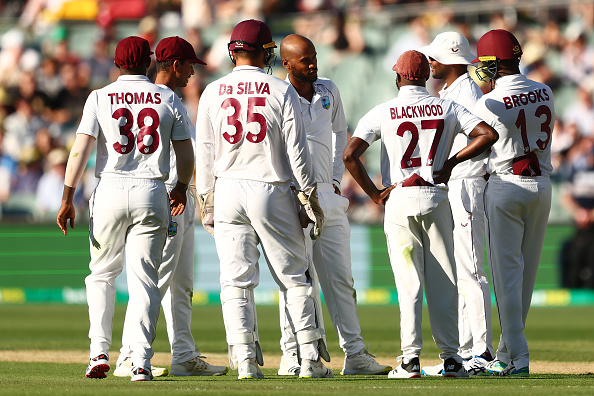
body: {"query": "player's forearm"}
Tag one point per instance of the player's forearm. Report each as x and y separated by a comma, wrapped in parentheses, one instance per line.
(184, 156)
(77, 161)
(352, 159)
(483, 136)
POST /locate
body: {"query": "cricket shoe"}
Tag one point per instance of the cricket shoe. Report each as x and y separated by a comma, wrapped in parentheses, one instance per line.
(363, 363)
(141, 374)
(495, 367)
(476, 367)
(249, 369)
(454, 369)
(124, 369)
(408, 368)
(314, 369)
(196, 366)
(289, 365)
(512, 371)
(98, 366)
(433, 371)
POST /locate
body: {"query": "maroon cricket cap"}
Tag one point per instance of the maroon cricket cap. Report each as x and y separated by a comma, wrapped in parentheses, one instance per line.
(251, 35)
(132, 52)
(412, 65)
(176, 48)
(497, 44)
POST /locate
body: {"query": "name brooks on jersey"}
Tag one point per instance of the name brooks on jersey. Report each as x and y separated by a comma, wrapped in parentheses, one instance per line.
(538, 95)
(245, 88)
(135, 98)
(416, 111)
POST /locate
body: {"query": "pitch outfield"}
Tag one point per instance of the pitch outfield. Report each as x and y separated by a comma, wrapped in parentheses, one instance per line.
(43, 350)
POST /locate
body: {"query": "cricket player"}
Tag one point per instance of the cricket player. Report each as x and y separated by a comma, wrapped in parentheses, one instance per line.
(134, 122)
(449, 57)
(417, 132)
(325, 124)
(518, 194)
(175, 65)
(251, 144)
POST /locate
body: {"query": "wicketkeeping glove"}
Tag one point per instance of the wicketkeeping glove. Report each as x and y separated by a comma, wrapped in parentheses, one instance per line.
(312, 208)
(206, 202)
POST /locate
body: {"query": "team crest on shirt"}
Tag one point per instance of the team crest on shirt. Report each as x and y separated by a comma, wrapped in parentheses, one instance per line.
(325, 102)
(172, 230)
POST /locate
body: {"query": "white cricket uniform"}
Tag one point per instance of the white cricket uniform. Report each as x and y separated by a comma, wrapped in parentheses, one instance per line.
(417, 131)
(466, 192)
(176, 273)
(134, 122)
(326, 129)
(250, 137)
(517, 207)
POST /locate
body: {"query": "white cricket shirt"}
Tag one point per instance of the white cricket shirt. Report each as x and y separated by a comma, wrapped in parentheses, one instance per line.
(134, 121)
(326, 128)
(465, 92)
(417, 131)
(172, 181)
(523, 113)
(249, 127)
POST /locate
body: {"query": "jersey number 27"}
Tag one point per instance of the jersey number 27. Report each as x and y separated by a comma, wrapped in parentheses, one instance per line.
(408, 161)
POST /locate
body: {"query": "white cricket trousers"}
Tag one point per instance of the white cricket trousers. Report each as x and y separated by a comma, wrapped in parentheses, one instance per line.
(331, 256)
(421, 251)
(176, 284)
(129, 219)
(517, 210)
(474, 297)
(247, 213)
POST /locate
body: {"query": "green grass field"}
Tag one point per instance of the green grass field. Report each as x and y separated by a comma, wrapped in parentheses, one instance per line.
(559, 338)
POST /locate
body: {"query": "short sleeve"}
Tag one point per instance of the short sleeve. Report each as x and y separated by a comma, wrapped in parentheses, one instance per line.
(89, 124)
(179, 130)
(466, 120)
(369, 127)
(483, 112)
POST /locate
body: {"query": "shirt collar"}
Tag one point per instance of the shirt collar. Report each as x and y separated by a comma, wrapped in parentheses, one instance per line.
(456, 82)
(409, 90)
(509, 79)
(133, 77)
(164, 86)
(315, 86)
(247, 67)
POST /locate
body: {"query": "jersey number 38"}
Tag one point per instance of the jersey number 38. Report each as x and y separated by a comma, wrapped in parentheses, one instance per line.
(145, 131)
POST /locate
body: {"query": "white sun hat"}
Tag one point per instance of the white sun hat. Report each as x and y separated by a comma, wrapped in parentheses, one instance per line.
(449, 48)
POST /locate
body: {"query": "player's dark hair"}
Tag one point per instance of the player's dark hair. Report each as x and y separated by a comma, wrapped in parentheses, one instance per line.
(141, 70)
(251, 55)
(164, 66)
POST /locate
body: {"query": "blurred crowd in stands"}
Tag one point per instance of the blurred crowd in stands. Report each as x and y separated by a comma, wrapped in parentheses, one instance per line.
(46, 73)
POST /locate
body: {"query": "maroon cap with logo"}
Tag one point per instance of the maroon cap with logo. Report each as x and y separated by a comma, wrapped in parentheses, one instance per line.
(132, 52)
(176, 48)
(497, 44)
(251, 35)
(412, 65)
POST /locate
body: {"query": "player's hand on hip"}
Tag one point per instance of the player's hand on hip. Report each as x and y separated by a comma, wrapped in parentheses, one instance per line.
(443, 175)
(206, 203)
(66, 212)
(384, 194)
(178, 199)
